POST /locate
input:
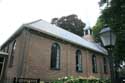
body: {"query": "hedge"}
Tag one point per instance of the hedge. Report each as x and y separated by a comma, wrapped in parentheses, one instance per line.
(71, 79)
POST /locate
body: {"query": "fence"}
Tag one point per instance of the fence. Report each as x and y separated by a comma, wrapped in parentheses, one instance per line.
(26, 80)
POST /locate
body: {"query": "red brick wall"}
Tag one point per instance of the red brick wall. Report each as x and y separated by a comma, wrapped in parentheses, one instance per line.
(13, 71)
(38, 63)
(32, 59)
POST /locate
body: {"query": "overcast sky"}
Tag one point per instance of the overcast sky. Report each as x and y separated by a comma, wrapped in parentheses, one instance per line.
(14, 13)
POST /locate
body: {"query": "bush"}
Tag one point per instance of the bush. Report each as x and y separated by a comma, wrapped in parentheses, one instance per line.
(71, 79)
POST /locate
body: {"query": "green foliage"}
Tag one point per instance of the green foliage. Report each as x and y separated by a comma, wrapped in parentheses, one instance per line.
(70, 23)
(114, 16)
(122, 71)
(101, 3)
(71, 79)
(96, 29)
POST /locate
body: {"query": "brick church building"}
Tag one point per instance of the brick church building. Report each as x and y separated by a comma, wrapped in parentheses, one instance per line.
(42, 50)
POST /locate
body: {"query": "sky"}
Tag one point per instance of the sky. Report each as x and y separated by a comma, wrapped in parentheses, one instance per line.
(14, 13)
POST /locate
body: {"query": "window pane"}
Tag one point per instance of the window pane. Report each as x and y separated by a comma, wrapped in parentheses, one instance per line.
(53, 59)
(12, 53)
(1, 65)
(78, 61)
(55, 56)
(105, 65)
(86, 32)
(1, 59)
(94, 64)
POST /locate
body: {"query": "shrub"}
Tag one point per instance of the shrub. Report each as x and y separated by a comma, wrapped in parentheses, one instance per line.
(71, 79)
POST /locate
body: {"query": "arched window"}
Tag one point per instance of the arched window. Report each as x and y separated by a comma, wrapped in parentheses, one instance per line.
(94, 64)
(90, 32)
(105, 64)
(12, 53)
(86, 32)
(78, 61)
(55, 56)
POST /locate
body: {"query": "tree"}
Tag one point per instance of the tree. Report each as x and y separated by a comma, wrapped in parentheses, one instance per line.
(71, 23)
(96, 29)
(114, 16)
